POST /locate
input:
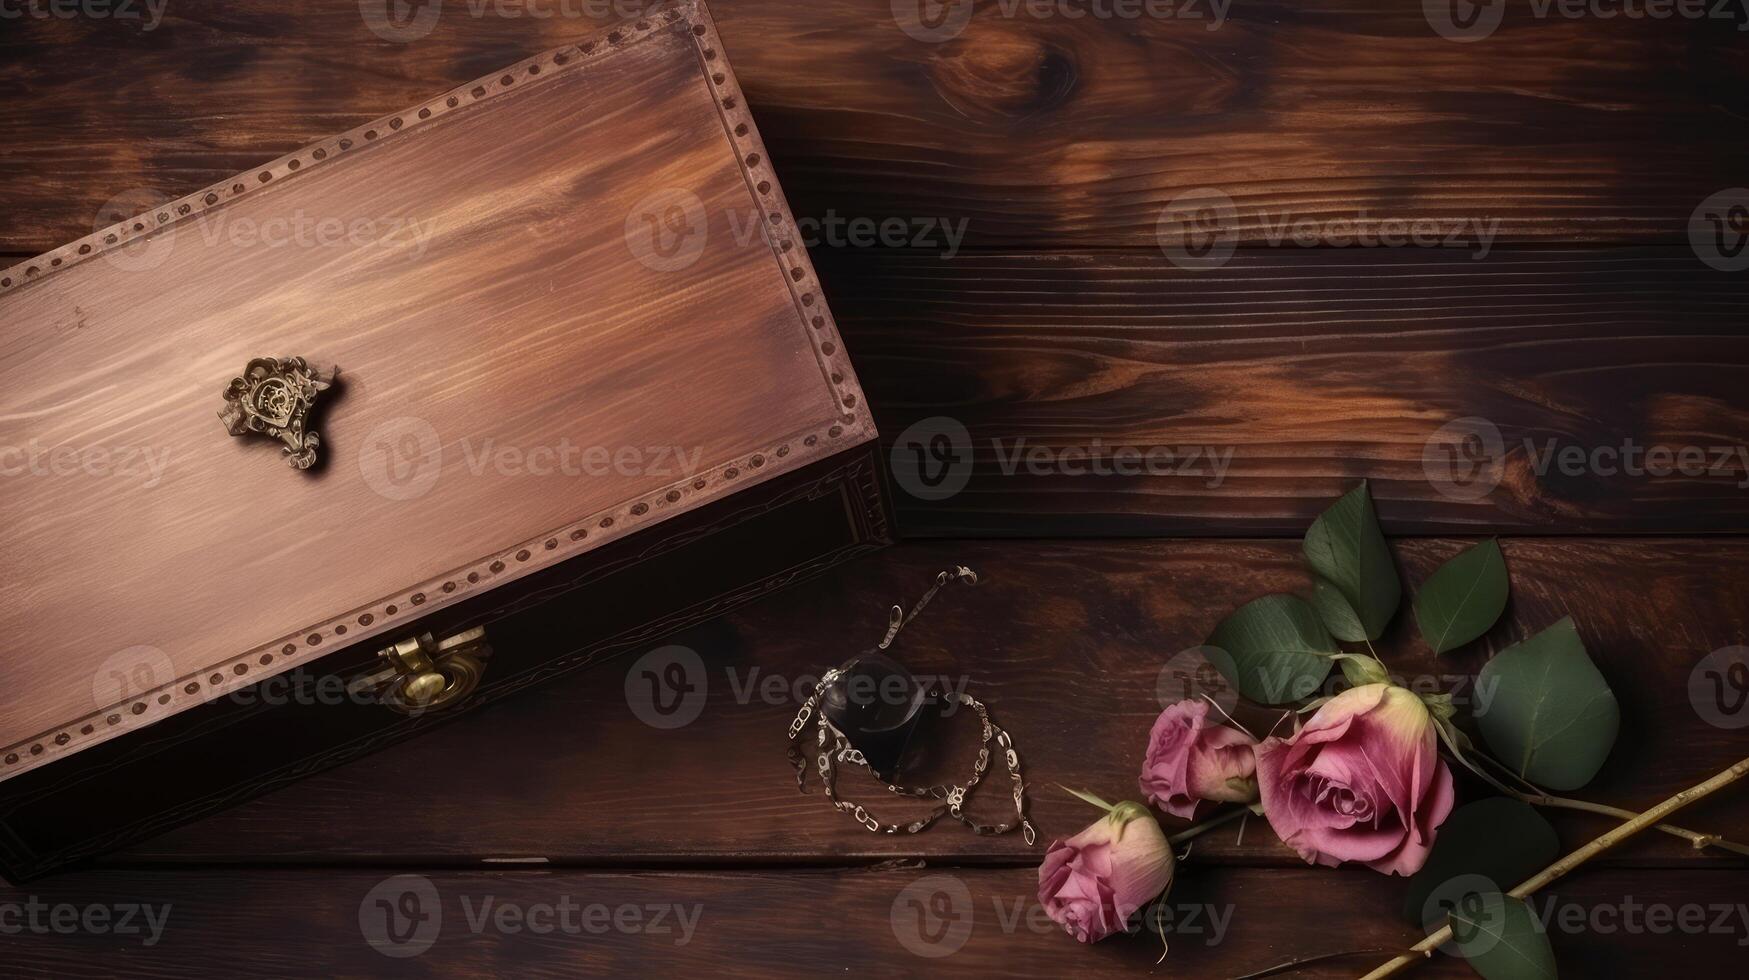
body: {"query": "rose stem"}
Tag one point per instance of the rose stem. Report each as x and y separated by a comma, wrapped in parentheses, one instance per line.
(1207, 825)
(1307, 961)
(1539, 798)
(1566, 864)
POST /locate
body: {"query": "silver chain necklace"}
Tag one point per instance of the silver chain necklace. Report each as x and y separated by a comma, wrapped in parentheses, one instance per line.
(832, 747)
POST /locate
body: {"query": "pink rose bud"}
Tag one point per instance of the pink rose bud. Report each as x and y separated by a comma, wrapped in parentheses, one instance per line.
(1093, 883)
(1190, 760)
(1362, 781)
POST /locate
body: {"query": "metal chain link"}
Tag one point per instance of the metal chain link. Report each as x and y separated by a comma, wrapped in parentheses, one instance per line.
(831, 748)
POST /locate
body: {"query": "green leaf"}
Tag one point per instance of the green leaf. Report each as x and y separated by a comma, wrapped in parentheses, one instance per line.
(1345, 547)
(1463, 598)
(1338, 616)
(1502, 940)
(1273, 649)
(1362, 670)
(1548, 714)
(1499, 839)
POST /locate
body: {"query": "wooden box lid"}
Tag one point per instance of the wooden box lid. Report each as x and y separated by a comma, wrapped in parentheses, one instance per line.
(566, 301)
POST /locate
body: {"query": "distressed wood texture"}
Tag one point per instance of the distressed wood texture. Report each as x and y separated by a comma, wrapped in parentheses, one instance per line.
(893, 923)
(1090, 641)
(1039, 131)
(1312, 368)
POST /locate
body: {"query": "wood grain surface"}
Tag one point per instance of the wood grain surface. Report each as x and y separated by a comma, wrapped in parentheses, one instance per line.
(1074, 646)
(552, 370)
(1277, 381)
(1029, 294)
(1037, 131)
(900, 922)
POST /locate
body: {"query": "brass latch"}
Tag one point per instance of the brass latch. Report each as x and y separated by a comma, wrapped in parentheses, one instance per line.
(422, 674)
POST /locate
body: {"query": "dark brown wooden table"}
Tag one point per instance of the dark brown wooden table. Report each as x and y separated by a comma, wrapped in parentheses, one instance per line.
(1056, 317)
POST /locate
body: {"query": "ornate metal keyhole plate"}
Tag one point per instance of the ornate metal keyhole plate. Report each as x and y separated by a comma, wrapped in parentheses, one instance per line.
(274, 397)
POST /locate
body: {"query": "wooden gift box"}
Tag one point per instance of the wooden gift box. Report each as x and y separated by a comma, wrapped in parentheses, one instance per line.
(588, 393)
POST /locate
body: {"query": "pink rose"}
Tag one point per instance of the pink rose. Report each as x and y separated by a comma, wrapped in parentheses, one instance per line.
(1190, 760)
(1094, 882)
(1362, 781)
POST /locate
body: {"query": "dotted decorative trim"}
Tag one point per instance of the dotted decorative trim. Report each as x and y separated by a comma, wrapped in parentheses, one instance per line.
(762, 184)
(556, 546)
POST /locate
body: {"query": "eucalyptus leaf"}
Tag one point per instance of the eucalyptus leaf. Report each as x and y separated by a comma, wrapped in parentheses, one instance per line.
(1499, 839)
(1551, 717)
(1463, 598)
(1502, 939)
(1273, 649)
(1339, 617)
(1345, 547)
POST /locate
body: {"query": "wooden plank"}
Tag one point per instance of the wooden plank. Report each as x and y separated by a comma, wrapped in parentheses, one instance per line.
(1072, 644)
(1276, 382)
(1033, 130)
(896, 923)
